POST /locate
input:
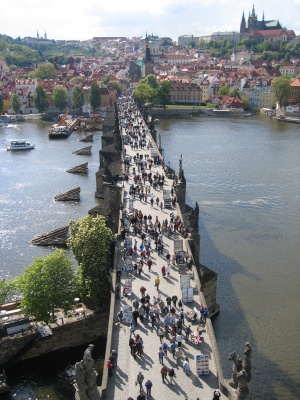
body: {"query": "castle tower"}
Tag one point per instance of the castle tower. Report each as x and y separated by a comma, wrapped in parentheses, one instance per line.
(252, 21)
(243, 24)
(45, 36)
(37, 35)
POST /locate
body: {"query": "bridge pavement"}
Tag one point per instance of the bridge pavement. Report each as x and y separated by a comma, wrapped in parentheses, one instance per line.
(122, 384)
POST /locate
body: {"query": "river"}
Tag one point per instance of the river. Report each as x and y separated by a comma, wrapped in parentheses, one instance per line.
(244, 174)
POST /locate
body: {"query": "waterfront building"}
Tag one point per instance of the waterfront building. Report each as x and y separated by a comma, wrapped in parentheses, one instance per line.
(295, 89)
(185, 92)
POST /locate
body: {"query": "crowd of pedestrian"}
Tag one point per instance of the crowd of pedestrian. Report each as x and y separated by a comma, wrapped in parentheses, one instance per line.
(165, 316)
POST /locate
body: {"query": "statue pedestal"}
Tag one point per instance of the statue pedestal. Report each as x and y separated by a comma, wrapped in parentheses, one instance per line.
(80, 394)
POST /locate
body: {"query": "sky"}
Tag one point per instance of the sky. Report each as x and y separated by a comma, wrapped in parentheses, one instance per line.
(83, 20)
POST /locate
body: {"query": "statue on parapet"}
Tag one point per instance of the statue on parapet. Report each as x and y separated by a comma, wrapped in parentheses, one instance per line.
(241, 373)
(85, 377)
(236, 368)
(181, 173)
(247, 360)
(243, 392)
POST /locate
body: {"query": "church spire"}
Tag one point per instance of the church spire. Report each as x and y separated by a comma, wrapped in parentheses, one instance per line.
(243, 24)
(253, 11)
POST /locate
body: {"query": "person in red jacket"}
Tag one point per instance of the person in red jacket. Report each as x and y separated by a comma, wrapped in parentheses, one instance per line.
(109, 367)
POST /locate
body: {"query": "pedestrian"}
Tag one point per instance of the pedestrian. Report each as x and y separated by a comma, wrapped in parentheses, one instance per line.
(161, 334)
(168, 270)
(139, 380)
(153, 320)
(168, 301)
(173, 347)
(135, 304)
(217, 394)
(168, 257)
(141, 314)
(157, 282)
(148, 385)
(188, 331)
(131, 344)
(164, 373)
(179, 339)
(115, 358)
(180, 303)
(165, 348)
(135, 315)
(161, 205)
(140, 267)
(143, 290)
(161, 355)
(178, 355)
(110, 368)
(141, 396)
(120, 316)
(163, 271)
(174, 299)
(186, 366)
(171, 374)
(181, 316)
(119, 273)
(149, 263)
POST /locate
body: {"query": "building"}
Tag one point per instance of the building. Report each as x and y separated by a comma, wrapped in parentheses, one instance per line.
(185, 92)
(295, 89)
(263, 30)
(183, 40)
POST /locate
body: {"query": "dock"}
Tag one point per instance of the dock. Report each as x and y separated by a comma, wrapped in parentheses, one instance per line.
(181, 280)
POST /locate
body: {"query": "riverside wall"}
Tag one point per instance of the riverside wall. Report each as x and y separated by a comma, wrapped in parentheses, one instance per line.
(206, 279)
(71, 332)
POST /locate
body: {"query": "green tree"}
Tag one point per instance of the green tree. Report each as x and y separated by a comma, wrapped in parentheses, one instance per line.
(1, 104)
(144, 93)
(246, 103)
(59, 97)
(7, 290)
(78, 96)
(49, 282)
(116, 86)
(282, 89)
(91, 242)
(40, 99)
(224, 90)
(15, 103)
(202, 44)
(106, 79)
(163, 93)
(234, 92)
(45, 71)
(287, 56)
(94, 96)
(151, 80)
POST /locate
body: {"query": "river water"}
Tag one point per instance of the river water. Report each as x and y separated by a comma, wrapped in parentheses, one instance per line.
(244, 174)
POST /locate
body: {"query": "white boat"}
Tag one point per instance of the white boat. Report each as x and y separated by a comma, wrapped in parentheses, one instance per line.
(20, 144)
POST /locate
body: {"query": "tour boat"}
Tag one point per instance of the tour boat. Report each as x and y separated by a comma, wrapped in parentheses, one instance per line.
(20, 144)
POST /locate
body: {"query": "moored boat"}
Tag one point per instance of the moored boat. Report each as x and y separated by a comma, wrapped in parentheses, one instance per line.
(19, 145)
(227, 112)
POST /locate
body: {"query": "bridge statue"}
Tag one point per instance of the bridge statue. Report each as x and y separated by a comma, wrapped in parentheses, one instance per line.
(85, 377)
(241, 373)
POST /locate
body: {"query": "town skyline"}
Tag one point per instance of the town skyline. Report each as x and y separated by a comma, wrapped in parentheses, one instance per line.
(164, 18)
